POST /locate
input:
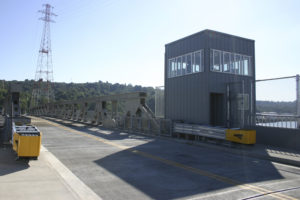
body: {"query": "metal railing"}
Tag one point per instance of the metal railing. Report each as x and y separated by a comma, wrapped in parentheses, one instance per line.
(278, 121)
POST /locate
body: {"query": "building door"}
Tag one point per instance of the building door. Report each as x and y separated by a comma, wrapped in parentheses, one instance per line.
(217, 109)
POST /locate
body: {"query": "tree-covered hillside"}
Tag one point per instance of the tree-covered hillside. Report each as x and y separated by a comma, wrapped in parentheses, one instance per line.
(74, 91)
(279, 107)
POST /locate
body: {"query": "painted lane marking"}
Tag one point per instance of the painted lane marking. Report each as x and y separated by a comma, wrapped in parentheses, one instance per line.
(179, 165)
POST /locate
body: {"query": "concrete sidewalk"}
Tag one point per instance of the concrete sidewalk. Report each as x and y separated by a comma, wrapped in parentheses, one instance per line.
(45, 178)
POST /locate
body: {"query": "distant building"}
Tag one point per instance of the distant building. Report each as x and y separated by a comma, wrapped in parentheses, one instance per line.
(210, 79)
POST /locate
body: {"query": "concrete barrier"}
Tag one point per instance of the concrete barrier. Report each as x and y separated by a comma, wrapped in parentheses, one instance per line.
(278, 137)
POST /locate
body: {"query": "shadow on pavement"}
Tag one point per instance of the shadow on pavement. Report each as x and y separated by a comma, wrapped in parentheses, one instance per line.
(8, 162)
(165, 169)
(161, 180)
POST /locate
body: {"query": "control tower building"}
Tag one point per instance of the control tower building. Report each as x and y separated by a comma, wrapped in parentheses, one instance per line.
(210, 80)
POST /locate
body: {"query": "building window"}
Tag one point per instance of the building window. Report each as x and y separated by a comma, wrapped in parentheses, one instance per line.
(228, 62)
(178, 66)
(216, 61)
(186, 64)
(237, 67)
(197, 62)
(169, 69)
(246, 65)
(173, 67)
(232, 63)
(183, 65)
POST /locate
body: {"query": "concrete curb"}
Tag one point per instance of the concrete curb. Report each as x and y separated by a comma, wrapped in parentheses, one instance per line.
(75, 184)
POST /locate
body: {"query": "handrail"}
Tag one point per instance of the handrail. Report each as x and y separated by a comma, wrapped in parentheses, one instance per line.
(278, 121)
(277, 115)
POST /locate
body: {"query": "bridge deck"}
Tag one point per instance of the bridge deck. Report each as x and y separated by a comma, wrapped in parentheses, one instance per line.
(117, 165)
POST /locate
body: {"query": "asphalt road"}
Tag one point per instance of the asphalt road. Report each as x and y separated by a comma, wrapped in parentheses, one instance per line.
(118, 165)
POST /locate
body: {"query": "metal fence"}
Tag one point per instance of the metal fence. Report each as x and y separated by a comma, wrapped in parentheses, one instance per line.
(278, 102)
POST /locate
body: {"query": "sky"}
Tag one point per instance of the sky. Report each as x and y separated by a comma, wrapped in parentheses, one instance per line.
(122, 41)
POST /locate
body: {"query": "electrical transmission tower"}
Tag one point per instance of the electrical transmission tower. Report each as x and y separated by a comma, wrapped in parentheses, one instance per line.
(43, 91)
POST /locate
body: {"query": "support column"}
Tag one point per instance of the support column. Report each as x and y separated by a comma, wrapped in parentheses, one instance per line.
(62, 111)
(52, 110)
(114, 109)
(80, 116)
(298, 98)
(71, 111)
(55, 110)
(42, 110)
(98, 113)
(47, 109)
(84, 112)
(66, 111)
(74, 111)
(104, 110)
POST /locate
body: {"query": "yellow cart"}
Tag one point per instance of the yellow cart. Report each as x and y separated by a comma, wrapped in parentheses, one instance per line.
(26, 141)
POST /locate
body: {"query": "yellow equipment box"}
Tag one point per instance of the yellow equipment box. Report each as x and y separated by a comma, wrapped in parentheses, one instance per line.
(241, 136)
(26, 141)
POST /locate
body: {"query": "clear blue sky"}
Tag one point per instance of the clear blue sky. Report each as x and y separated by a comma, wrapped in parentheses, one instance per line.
(123, 40)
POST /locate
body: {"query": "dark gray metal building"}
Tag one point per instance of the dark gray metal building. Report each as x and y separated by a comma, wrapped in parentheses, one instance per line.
(210, 80)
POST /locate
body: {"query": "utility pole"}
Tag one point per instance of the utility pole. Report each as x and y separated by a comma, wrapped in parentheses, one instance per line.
(44, 72)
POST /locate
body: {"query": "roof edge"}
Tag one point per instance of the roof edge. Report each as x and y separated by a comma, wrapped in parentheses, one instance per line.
(208, 30)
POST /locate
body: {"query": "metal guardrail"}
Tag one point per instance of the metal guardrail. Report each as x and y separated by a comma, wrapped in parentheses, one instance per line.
(151, 126)
(200, 130)
(278, 121)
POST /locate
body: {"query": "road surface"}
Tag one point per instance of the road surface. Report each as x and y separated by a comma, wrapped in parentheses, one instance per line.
(118, 165)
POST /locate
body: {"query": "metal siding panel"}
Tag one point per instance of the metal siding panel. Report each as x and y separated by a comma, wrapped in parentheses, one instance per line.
(190, 98)
(186, 100)
(183, 98)
(194, 99)
(181, 95)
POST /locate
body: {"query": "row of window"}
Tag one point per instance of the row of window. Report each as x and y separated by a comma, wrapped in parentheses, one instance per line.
(220, 61)
(227, 62)
(186, 64)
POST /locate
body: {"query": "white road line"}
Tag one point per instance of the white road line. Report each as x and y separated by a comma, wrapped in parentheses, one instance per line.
(76, 185)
